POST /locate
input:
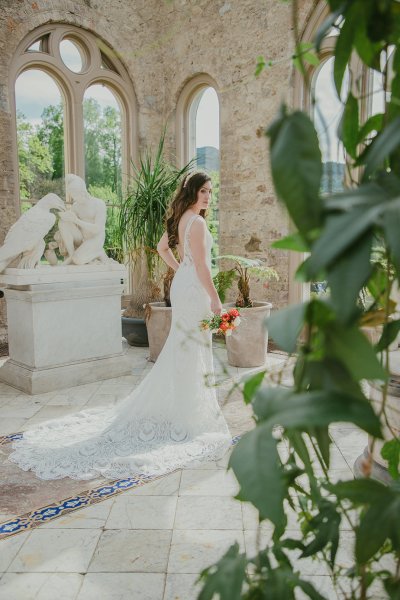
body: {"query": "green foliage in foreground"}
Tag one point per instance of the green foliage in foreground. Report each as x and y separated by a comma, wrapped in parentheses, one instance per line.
(284, 471)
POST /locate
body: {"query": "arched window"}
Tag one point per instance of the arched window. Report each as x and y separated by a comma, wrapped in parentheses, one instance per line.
(40, 136)
(327, 112)
(198, 127)
(75, 107)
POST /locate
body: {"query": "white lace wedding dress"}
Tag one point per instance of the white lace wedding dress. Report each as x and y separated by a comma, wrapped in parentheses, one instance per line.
(171, 420)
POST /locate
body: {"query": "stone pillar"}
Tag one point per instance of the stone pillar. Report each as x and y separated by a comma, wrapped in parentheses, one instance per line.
(64, 326)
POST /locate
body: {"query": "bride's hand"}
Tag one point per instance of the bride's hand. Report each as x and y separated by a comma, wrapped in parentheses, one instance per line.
(216, 306)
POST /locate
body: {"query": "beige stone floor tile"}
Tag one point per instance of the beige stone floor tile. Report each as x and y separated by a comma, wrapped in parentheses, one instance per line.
(48, 412)
(142, 512)
(208, 483)
(9, 549)
(40, 586)
(181, 586)
(164, 486)
(18, 408)
(56, 550)
(11, 425)
(75, 396)
(194, 550)
(107, 398)
(207, 512)
(122, 586)
(132, 551)
(92, 517)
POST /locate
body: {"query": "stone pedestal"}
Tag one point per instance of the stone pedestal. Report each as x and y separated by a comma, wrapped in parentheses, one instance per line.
(64, 326)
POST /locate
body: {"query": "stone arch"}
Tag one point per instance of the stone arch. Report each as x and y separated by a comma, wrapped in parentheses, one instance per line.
(183, 106)
(100, 65)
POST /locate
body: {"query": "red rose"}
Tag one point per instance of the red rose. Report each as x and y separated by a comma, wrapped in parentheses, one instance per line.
(225, 317)
(224, 326)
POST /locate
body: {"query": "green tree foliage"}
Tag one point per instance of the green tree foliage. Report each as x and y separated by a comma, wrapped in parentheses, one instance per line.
(34, 158)
(332, 355)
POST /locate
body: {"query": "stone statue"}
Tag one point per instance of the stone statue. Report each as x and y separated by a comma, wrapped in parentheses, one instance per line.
(25, 238)
(81, 230)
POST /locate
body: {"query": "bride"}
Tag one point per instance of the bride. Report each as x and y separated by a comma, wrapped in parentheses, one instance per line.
(172, 419)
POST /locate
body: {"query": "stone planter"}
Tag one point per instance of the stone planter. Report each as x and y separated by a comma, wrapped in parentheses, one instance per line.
(373, 450)
(158, 324)
(248, 344)
(134, 331)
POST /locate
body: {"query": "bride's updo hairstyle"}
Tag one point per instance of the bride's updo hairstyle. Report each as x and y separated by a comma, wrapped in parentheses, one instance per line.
(185, 197)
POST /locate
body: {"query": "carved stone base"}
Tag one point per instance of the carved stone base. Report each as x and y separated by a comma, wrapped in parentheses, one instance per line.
(64, 326)
(40, 381)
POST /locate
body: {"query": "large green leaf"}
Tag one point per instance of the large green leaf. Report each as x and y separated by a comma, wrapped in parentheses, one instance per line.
(293, 242)
(380, 522)
(391, 452)
(285, 326)
(344, 46)
(255, 462)
(348, 128)
(373, 123)
(347, 275)
(381, 519)
(391, 225)
(351, 347)
(389, 334)
(341, 231)
(297, 168)
(381, 147)
(319, 408)
(226, 577)
(251, 385)
(325, 527)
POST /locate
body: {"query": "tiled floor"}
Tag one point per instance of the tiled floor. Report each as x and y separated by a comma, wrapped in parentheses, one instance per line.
(149, 543)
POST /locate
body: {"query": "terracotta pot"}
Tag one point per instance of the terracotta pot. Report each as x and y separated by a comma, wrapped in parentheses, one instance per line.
(158, 321)
(248, 344)
(392, 410)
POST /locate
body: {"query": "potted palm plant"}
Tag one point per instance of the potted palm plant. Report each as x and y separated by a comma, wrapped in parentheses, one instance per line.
(141, 225)
(247, 346)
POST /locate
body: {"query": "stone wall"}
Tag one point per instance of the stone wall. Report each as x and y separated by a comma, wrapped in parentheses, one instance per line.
(163, 44)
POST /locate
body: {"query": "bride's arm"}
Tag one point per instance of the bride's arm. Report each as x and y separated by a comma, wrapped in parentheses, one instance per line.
(199, 252)
(166, 253)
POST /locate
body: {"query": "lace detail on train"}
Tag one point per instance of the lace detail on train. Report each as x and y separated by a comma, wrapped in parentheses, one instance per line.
(171, 420)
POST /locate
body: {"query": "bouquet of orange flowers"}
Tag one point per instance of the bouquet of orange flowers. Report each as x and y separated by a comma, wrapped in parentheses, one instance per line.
(224, 323)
